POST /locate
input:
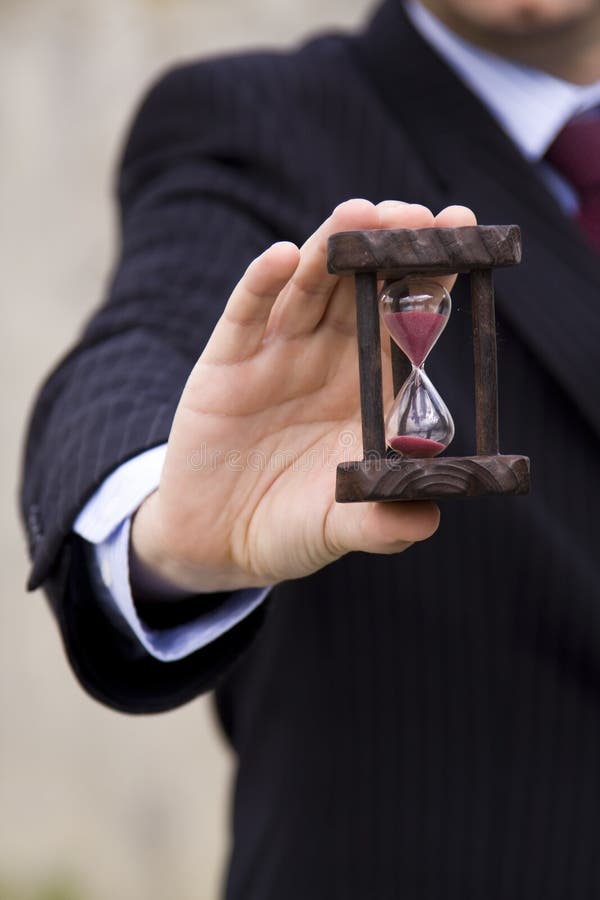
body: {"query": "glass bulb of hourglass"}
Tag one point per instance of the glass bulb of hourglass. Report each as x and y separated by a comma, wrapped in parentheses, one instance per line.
(419, 423)
(415, 312)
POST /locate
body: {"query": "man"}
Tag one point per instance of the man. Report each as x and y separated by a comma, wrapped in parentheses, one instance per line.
(424, 724)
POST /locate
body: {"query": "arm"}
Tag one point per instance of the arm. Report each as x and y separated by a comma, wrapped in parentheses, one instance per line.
(114, 394)
(275, 382)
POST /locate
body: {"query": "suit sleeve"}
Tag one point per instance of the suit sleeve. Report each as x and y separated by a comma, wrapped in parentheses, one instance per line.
(199, 198)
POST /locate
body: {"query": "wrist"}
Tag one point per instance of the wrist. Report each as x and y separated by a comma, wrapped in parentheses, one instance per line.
(157, 570)
(150, 575)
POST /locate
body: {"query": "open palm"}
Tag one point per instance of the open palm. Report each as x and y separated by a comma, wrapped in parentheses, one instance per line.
(246, 496)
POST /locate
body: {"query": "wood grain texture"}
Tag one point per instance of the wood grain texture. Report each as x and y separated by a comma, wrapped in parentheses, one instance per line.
(485, 365)
(369, 364)
(431, 479)
(394, 252)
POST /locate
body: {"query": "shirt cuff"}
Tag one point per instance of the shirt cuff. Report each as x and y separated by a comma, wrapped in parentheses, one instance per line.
(168, 645)
(105, 522)
(120, 494)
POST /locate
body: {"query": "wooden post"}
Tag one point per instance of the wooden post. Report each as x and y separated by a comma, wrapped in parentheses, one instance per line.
(486, 371)
(369, 365)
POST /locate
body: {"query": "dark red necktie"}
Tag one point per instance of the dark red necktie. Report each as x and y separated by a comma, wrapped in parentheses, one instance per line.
(576, 155)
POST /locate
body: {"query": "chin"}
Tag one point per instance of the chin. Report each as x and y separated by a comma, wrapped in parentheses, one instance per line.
(522, 17)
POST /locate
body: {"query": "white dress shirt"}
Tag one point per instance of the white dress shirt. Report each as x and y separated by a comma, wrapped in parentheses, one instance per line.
(532, 107)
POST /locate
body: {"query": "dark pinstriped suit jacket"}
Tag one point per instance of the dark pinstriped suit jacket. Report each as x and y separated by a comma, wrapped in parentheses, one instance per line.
(426, 726)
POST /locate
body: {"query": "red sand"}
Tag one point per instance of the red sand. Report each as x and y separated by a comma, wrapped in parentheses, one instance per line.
(420, 448)
(415, 331)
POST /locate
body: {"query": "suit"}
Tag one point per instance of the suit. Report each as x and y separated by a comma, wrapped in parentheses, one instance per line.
(425, 725)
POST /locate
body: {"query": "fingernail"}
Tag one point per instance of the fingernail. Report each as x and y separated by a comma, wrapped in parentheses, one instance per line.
(390, 204)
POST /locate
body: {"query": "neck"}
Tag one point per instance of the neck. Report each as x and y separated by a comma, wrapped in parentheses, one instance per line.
(570, 51)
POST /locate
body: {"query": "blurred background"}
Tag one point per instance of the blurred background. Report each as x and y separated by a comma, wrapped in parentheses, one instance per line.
(93, 804)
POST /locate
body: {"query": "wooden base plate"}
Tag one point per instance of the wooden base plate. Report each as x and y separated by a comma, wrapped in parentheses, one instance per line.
(431, 479)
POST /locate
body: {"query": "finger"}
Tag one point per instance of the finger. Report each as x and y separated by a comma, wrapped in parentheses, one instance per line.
(453, 217)
(303, 302)
(340, 314)
(380, 527)
(241, 328)
(394, 214)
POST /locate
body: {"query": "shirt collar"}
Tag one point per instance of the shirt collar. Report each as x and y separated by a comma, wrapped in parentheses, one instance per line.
(532, 106)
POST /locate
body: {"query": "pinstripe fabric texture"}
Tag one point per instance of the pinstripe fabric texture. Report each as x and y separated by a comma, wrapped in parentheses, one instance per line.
(423, 726)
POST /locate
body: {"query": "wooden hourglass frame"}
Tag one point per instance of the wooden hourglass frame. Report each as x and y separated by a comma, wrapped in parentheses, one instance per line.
(389, 255)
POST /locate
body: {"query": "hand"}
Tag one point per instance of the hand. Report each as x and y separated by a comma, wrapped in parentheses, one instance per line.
(246, 496)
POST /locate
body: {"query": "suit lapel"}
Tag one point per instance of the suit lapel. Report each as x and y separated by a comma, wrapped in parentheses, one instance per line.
(553, 299)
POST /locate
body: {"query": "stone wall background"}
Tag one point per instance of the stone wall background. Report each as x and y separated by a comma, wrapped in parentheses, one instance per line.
(93, 804)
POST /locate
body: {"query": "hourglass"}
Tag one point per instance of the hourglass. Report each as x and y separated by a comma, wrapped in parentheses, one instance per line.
(402, 453)
(415, 311)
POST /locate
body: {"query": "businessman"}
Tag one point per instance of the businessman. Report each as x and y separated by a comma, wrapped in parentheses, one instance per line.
(415, 724)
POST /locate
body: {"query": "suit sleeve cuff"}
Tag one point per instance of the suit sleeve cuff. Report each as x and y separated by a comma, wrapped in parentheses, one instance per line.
(105, 524)
(167, 645)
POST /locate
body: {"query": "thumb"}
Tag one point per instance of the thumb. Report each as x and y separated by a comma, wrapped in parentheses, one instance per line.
(379, 527)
